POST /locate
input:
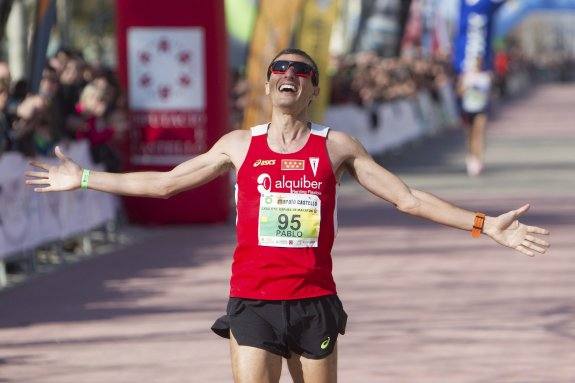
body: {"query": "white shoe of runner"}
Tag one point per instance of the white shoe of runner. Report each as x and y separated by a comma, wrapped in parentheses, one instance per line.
(474, 166)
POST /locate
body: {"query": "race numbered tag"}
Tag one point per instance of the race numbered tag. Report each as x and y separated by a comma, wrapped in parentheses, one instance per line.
(474, 100)
(289, 220)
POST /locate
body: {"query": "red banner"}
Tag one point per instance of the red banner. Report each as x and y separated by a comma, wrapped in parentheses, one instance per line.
(168, 53)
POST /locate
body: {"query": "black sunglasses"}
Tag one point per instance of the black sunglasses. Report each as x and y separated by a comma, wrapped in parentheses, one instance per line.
(300, 68)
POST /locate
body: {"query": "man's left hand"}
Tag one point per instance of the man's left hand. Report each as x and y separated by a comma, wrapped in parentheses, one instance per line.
(508, 231)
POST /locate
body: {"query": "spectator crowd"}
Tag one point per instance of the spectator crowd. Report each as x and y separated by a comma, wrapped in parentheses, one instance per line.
(75, 100)
(365, 78)
(79, 100)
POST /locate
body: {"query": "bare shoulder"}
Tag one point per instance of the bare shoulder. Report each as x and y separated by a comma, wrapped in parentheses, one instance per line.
(233, 141)
(339, 138)
(235, 145)
(342, 144)
(235, 137)
(343, 149)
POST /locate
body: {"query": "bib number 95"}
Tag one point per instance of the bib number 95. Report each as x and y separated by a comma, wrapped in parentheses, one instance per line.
(289, 220)
(284, 222)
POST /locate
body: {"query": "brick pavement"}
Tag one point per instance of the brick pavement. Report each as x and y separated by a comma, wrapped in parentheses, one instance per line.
(426, 303)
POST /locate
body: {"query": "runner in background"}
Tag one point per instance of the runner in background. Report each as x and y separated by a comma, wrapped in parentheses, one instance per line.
(474, 89)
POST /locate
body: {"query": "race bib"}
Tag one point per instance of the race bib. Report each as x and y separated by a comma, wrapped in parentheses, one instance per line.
(289, 220)
(475, 100)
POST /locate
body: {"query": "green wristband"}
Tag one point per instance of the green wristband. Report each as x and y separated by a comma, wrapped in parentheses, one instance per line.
(85, 177)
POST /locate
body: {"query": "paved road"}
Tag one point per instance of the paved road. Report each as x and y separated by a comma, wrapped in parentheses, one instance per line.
(426, 303)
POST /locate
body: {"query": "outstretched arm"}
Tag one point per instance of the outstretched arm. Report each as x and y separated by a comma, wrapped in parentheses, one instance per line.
(504, 229)
(199, 170)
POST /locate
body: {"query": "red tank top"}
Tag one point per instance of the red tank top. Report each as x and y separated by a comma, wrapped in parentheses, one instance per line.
(286, 221)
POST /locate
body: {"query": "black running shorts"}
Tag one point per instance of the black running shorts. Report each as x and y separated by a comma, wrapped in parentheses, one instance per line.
(307, 327)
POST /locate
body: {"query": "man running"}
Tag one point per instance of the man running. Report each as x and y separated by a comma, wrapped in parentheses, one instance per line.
(475, 89)
(283, 301)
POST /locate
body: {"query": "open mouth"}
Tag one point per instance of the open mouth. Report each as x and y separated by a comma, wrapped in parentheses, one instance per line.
(287, 88)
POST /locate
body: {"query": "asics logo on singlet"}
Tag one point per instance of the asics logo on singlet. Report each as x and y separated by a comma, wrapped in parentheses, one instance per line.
(265, 184)
(264, 163)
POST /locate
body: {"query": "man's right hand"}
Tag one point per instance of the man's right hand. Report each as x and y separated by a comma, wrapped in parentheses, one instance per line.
(66, 175)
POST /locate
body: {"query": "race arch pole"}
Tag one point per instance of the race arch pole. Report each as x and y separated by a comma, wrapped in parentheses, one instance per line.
(172, 63)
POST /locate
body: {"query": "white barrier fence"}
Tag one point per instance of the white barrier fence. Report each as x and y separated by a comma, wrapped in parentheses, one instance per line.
(398, 122)
(29, 219)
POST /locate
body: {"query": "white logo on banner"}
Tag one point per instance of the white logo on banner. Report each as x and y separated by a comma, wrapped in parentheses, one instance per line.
(314, 161)
(476, 40)
(166, 68)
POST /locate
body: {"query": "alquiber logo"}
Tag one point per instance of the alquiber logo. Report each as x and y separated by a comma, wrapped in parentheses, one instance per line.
(265, 184)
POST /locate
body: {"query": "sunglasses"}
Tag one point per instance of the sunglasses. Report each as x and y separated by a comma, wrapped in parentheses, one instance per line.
(301, 69)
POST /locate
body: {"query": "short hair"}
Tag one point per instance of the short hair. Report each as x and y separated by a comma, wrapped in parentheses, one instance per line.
(299, 52)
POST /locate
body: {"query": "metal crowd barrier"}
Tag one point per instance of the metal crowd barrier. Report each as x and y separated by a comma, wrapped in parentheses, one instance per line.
(32, 222)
